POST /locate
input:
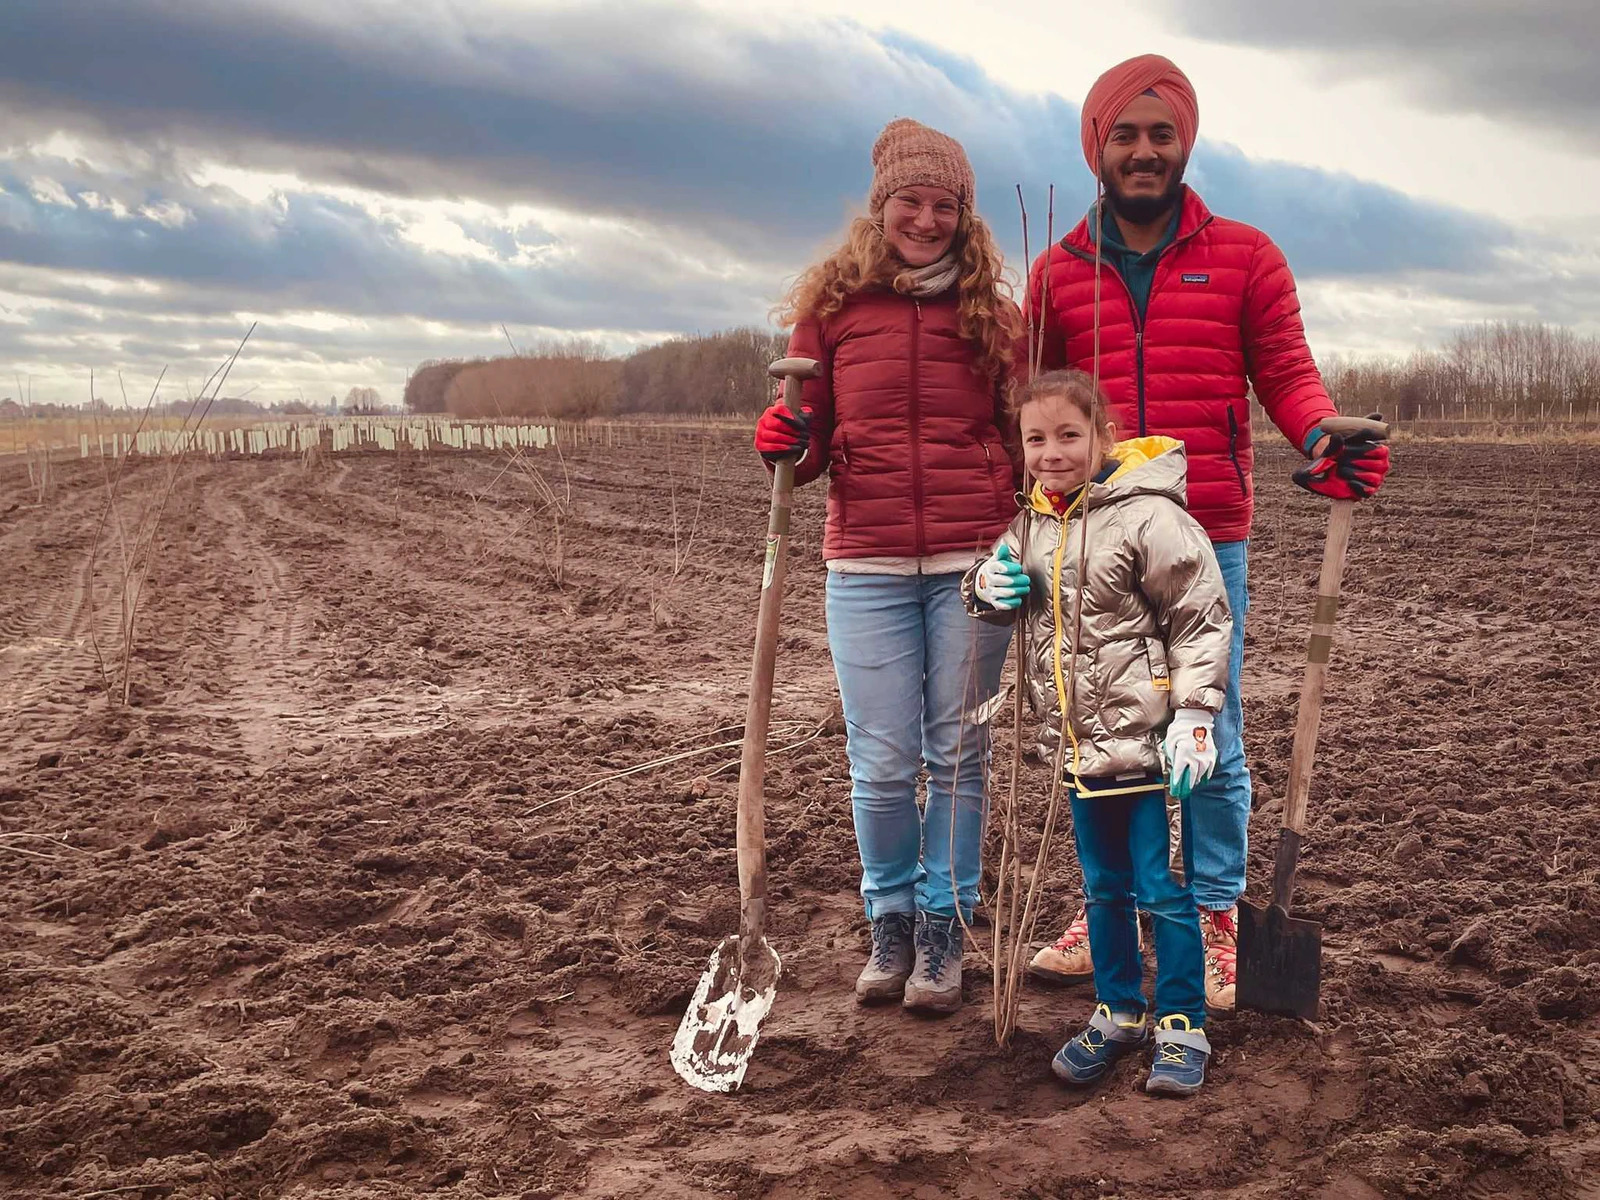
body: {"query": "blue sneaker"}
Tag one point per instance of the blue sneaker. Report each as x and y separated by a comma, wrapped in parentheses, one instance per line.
(1181, 1053)
(1109, 1037)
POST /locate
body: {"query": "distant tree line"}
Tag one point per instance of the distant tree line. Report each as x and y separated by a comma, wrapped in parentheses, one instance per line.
(722, 373)
(221, 406)
(1506, 370)
(1499, 369)
(362, 400)
(1502, 369)
(573, 378)
(357, 401)
(716, 373)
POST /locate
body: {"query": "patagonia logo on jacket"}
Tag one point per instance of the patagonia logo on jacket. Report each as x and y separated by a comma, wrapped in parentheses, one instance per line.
(1196, 277)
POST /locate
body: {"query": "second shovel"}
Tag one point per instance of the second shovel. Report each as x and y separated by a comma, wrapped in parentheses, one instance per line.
(1280, 957)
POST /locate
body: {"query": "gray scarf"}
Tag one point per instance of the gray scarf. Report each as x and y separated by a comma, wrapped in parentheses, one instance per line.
(931, 280)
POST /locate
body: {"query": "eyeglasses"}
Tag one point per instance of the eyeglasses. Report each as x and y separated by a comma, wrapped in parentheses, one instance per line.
(944, 211)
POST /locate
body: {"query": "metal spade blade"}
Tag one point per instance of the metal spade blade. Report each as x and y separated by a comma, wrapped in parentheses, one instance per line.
(1280, 962)
(718, 1033)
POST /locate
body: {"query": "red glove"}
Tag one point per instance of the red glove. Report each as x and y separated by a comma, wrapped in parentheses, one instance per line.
(782, 434)
(1350, 467)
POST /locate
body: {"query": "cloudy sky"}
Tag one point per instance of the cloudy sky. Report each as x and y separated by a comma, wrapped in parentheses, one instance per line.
(381, 182)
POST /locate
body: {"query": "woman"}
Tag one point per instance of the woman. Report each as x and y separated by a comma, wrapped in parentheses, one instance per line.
(917, 335)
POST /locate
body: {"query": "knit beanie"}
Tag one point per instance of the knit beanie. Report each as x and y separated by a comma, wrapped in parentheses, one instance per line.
(909, 154)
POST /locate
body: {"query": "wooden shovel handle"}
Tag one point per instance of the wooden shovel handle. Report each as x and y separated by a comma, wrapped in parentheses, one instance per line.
(1305, 729)
(1342, 425)
(751, 827)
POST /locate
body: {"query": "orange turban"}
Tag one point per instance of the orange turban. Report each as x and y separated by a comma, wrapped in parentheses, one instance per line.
(1118, 87)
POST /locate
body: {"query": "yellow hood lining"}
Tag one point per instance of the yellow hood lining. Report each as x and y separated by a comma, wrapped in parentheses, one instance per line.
(1128, 455)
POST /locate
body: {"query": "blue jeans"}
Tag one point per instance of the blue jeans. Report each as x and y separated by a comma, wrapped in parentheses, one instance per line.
(1122, 848)
(911, 662)
(1222, 803)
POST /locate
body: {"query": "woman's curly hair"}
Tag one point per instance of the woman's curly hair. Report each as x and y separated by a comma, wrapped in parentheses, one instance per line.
(989, 318)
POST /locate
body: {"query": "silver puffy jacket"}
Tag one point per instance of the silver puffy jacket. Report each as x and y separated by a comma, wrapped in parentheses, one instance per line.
(1155, 624)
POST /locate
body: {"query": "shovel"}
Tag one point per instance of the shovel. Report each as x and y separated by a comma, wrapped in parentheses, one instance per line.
(718, 1033)
(1280, 957)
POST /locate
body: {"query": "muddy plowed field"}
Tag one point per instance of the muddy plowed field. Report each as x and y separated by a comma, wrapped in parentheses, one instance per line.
(323, 911)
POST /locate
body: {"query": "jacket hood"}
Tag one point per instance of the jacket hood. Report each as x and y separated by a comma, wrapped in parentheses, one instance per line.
(1146, 466)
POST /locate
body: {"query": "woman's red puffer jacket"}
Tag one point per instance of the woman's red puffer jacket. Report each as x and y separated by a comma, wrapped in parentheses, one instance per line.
(907, 428)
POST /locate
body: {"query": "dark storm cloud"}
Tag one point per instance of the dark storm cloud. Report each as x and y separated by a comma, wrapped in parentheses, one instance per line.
(719, 155)
(317, 252)
(1532, 62)
(655, 112)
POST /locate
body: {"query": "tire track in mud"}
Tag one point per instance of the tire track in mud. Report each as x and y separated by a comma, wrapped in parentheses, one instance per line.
(43, 673)
(290, 683)
(48, 661)
(267, 706)
(410, 577)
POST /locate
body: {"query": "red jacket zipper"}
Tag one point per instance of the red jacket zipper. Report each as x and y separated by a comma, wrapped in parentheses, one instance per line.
(916, 425)
(1133, 308)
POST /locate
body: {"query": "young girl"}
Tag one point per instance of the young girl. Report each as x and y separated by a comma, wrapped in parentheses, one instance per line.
(1141, 649)
(916, 334)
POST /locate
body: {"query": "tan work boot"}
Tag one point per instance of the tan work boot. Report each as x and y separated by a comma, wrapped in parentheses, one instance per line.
(1219, 929)
(1067, 961)
(935, 983)
(889, 966)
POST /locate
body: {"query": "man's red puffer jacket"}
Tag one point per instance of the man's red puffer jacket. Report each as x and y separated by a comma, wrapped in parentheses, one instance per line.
(907, 428)
(1223, 314)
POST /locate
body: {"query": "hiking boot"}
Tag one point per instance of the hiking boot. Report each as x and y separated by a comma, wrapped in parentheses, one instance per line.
(889, 966)
(1180, 1063)
(1109, 1037)
(1220, 932)
(935, 983)
(1067, 961)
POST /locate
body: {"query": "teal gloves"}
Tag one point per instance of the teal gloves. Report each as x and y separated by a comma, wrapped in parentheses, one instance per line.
(1001, 582)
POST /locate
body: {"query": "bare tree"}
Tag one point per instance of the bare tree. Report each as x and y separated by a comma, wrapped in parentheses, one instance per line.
(362, 400)
(1505, 371)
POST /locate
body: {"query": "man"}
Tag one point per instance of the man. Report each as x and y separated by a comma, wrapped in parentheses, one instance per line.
(1193, 309)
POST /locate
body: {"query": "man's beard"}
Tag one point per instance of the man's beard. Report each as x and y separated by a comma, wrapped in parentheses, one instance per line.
(1145, 210)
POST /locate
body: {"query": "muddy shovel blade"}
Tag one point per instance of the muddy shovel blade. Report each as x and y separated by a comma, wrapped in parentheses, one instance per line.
(1280, 962)
(718, 1033)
